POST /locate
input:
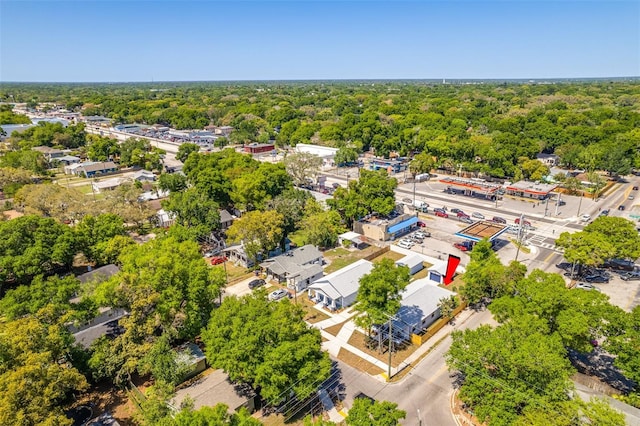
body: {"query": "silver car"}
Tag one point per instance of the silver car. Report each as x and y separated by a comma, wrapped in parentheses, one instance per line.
(477, 215)
(278, 294)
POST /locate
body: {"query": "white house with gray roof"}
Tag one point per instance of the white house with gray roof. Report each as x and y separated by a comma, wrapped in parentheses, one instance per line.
(340, 289)
(297, 268)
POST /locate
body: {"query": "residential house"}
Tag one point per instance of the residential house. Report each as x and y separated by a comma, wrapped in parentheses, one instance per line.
(100, 274)
(549, 160)
(237, 254)
(340, 289)
(226, 219)
(419, 307)
(297, 268)
(107, 184)
(91, 169)
(216, 388)
(165, 219)
(67, 160)
(107, 321)
(192, 358)
(144, 176)
(49, 153)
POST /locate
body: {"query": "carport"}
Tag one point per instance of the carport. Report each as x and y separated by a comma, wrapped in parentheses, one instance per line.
(482, 230)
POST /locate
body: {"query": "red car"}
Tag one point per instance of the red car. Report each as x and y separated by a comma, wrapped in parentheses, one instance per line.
(440, 213)
(218, 260)
(421, 224)
(461, 246)
(525, 222)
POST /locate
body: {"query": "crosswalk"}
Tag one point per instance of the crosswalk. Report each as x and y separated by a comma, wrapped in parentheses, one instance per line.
(539, 241)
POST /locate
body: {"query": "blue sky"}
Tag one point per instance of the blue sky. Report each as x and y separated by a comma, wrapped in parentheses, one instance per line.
(265, 40)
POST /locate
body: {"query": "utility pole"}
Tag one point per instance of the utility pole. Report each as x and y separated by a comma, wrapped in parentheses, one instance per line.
(390, 346)
(519, 237)
(557, 203)
(579, 204)
(414, 191)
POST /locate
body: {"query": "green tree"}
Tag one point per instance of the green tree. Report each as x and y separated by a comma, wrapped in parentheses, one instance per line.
(518, 362)
(185, 149)
(365, 413)
(172, 182)
(486, 276)
(421, 163)
(162, 362)
(259, 232)
(447, 305)
(597, 183)
(620, 233)
(302, 166)
(34, 383)
(379, 294)
(346, 155)
(102, 148)
(95, 230)
(586, 248)
(53, 293)
(291, 205)
(25, 159)
(31, 245)
(193, 209)
(323, 228)
(289, 359)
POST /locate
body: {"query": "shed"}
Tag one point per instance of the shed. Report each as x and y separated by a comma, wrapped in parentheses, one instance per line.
(411, 261)
(191, 356)
(354, 238)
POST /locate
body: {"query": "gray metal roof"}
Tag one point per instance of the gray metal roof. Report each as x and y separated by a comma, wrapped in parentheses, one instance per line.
(344, 282)
(291, 262)
(420, 299)
(100, 274)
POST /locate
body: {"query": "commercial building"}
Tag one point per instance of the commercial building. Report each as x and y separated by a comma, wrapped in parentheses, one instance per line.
(259, 148)
(526, 189)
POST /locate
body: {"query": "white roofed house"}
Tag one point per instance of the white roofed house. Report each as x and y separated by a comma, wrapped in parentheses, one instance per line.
(297, 268)
(340, 289)
(144, 175)
(419, 307)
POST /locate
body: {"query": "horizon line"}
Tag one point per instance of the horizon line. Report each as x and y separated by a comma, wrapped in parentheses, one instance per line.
(441, 80)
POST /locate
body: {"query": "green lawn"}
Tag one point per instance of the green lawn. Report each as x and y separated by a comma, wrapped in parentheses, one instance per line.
(341, 257)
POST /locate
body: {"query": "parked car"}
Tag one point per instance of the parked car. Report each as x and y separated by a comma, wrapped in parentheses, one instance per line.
(460, 213)
(620, 264)
(477, 215)
(465, 219)
(596, 279)
(464, 245)
(218, 260)
(498, 219)
(209, 253)
(635, 188)
(564, 266)
(405, 244)
(416, 239)
(407, 201)
(256, 283)
(630, 276)
(456, 211)
(604, 212)
(440, 213)
(421, 224)
(621, 208)
(524, 222)
(586, 286)
(585, 217)
(278, 294)
(422, 234)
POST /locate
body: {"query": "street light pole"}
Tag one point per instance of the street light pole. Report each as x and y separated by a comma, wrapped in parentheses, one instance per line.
(579, 204)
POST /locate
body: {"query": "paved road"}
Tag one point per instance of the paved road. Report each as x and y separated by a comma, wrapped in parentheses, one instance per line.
(425, 390)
